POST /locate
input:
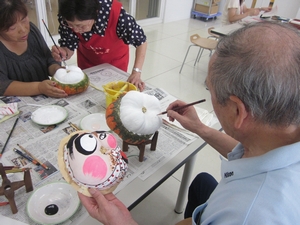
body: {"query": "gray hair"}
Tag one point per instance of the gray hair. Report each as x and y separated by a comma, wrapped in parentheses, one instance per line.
(260, 64)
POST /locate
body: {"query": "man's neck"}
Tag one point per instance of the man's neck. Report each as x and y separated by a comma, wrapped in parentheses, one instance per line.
(265, 138)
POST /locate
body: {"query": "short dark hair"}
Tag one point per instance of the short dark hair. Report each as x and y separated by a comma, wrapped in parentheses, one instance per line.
(8, 12)
(78, 9)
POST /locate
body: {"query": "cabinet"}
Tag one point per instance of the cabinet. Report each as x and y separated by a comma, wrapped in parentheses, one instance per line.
(206, 9)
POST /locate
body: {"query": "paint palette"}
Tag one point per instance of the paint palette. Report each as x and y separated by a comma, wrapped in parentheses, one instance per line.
(52, 203)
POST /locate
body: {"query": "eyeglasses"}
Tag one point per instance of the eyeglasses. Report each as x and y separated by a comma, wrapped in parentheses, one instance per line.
(81, 26)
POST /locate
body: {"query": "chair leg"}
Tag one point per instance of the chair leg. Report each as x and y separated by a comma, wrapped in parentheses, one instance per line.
(197, 55)
(200, 54)
(185, 58)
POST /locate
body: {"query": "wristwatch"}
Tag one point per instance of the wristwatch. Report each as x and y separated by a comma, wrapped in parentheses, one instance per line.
(137, 70)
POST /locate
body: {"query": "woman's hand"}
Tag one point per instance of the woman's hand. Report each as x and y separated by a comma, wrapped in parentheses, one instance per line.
(135, 78)
(107, 209)
(65, 53)
(48, 87)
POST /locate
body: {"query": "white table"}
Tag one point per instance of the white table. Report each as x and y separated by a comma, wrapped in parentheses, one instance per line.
(226, 29)
(134, 192)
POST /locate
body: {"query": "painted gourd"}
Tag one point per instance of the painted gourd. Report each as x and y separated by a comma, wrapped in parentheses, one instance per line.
(72, 80)
(133, 116)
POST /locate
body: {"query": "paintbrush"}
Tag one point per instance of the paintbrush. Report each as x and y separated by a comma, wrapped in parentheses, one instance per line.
(64, 62)
(98, 89)
(26, 157)
(34, 158)
(12, 129)
(184, 106)
(74, 126)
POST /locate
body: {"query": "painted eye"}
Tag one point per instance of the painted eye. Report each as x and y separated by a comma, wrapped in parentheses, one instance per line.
(86, 144)
(102, 135)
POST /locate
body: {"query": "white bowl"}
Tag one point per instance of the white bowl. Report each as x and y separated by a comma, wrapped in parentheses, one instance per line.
(52, 203)
(94, 122)
(49, 115)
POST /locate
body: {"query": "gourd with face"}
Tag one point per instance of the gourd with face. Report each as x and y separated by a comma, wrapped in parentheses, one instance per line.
(94, 159)
(133, 116)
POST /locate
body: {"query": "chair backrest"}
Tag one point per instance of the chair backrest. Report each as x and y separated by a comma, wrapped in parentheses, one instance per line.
(194, 37)
(187, 221)
(203, 42)
(212, 35)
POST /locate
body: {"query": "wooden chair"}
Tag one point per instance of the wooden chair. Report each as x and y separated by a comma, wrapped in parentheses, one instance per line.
(201, 43)
(187, 221)
(212, 35)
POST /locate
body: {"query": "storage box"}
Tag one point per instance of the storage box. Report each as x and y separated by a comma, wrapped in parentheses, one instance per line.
(205, 9)
(207, 2)
(203, 2)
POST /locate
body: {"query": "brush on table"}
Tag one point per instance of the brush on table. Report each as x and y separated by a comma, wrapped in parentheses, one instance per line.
(11, 131)
(29, 154)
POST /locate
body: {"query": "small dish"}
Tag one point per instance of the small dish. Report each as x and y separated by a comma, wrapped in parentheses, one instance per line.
(93, 122)
(52, 203)
(49, 115)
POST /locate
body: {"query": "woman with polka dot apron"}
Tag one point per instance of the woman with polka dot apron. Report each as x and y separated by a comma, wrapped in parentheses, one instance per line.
(101, 31)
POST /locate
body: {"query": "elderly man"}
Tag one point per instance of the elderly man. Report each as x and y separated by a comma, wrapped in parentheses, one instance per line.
(254, 80)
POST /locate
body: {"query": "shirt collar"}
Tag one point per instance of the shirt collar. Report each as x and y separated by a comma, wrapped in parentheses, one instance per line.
(237, 167)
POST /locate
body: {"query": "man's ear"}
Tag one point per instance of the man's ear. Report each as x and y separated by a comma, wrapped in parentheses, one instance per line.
(241, 112)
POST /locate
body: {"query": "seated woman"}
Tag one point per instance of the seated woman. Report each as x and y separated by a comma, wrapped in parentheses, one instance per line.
(235, 10)
(25, 59)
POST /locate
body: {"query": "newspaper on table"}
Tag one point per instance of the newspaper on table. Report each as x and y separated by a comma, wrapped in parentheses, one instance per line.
(43, 141)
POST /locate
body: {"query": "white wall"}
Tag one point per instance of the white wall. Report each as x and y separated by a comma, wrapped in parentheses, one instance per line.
(177, 10)
(298, 14)
(181, 9)
(287, 8)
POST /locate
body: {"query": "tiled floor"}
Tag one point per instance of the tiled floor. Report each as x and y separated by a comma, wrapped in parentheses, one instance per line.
(167, 46)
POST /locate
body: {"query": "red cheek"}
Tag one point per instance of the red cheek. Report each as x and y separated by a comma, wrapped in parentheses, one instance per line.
(111, 140)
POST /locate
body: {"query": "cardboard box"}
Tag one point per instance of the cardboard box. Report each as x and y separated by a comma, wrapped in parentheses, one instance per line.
(207, 2)
(203, 2)
(205, 9)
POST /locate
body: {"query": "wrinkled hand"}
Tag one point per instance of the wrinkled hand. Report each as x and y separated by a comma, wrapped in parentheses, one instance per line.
(56, 53)
(135, 79)
(47, 87)
(187, 117)
(108, 209)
